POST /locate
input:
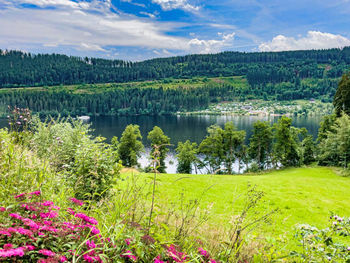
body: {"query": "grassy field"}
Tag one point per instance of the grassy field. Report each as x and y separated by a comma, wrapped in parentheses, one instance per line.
(302, 195)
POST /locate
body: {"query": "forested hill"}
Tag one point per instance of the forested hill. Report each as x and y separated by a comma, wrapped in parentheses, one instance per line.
(24, 69)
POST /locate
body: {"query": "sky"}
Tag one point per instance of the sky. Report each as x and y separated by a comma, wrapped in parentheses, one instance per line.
(143, 29)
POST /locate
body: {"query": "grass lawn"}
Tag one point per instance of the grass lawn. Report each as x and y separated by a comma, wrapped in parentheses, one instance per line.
(303, 195)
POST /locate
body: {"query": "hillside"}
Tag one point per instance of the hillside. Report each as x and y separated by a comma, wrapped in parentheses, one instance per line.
(168, 85)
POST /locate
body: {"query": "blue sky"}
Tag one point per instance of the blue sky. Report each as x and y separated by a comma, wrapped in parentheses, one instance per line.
(142, 29)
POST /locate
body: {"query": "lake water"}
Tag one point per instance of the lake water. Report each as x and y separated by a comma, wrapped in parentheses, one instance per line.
(182, 128)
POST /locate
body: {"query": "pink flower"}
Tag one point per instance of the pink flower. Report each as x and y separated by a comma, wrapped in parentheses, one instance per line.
(128, 254)
(86, 218)
(90, 244)
(63, 259)
(37, 193)
(8, 246)
(213, 261)
(12, 252)
(29, 247)
(76, 201)
(47, 203)
(157, 260)
(177, 256)
(71, 211)
(47, 252)
(15, 215)
(49, 215)
(203, 252)
(128, 241)
(24, 231)
(20, 195)
(2, 209)
(5, 233)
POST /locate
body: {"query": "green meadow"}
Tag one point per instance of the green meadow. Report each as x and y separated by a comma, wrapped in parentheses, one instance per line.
(301, 195)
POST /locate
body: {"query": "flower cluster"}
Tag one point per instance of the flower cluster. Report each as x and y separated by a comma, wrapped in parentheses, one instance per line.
(35, 230)
(38, 231)
(19, 119)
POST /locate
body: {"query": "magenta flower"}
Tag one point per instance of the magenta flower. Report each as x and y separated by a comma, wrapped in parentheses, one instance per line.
(177, 256)
(8, 246)
(157, 260)
(203, 252)
(37, 193)
(128, 254)
(128, 241)
(12, 252)
(63, 259)
(16, 216)
(76, 201)
(29, 247)
(90, 244)
(2, 209)
(47, 252)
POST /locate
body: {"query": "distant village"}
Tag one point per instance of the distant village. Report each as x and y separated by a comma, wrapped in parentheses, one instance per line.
(268, 108)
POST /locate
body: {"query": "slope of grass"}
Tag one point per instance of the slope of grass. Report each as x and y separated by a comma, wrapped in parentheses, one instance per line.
(302, 195)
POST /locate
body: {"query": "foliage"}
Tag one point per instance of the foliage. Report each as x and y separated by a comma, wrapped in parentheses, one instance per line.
(341, 99)
(130, 146)
(58, 139)
(221, 147)
(324, 245)
(335, 148)
(38, 230)
(19, 119)
(94, 171)
(308, 150)
(260, 147)
(186, 156)
(286, 146)
(159, 142)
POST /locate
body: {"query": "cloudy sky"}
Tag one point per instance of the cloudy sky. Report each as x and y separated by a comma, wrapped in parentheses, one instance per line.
(142, 29)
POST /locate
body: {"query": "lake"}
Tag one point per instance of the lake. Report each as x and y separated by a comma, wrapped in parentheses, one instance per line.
(182, 128)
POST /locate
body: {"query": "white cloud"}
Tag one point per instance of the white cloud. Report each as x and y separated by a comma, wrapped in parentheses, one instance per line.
(313, 40)
(91, 47)
(211, 46)
(148, 14)
(91, 26)
(176, 4)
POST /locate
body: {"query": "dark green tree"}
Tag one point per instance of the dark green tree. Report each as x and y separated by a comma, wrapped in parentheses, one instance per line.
(308, 149)
(335, 149)
(221, 148)
(186, 156)
(341, 99)
(212, 149)
(162, 142)
(286, 146)
(233, 142)
(260, 146)
(130, 146)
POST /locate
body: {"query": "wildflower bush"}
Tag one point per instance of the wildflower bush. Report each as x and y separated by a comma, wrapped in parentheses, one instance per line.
(89, 165)
(36, 230)
(330, 244)
(22, 171)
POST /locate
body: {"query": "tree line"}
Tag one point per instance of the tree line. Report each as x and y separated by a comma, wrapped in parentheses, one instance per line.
(25, 69)
(135, 99)
(270, 146)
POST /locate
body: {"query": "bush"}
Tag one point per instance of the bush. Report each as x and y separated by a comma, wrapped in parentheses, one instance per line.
(35, 230)
(324, 245)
